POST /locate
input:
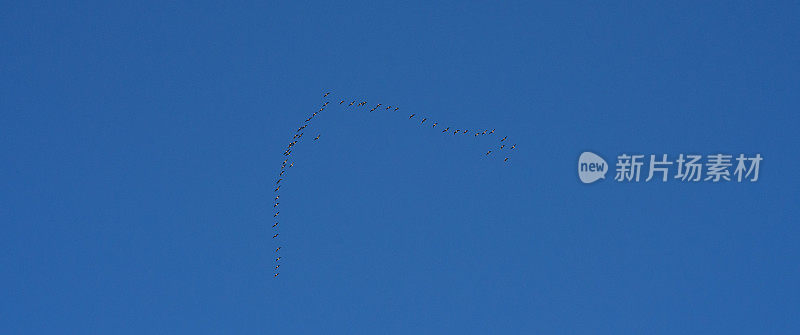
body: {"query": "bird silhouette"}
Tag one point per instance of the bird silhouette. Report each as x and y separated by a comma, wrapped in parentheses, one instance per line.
(502, 146)
(277, 188)
(326, 94)
(279, 180)
(412, 115)
(513, 146)
(277, 266)
(504, 138)
(275, 225)
(435, 123)
(488, 152)
(277, 259)
(274, 236)
(423, 120)
(341, 102)
(276, 214)
(275, 205)
(491, 132)
(456, 132)
(446, 129)
(316, 138)
(396, 108)
(505, 160)
(388, 108)
(351, 103)
(279, 248)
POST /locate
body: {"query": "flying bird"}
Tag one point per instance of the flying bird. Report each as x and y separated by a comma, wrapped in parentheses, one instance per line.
(502, 146)
(423, 120)
(491, 132)
(488, 152)
(277, 259)
(279, 248)
(277, 188)
(326, 94)
(276, 274)
(315, 138)
(505, 160)
(277, 266)
(435, 123)
(513, 146)
(412, 115)
(396, 108)
(275, 205)
(276, 214)
(504, 138)
(351, 103)
(388, 108)
(275, 225)
(341, 102)
(456, 132)
(274, 236)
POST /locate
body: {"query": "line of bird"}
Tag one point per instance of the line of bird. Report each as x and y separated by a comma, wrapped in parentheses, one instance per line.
(300, 132)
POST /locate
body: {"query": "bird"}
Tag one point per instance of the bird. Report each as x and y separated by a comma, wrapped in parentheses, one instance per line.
(378, 105)
(372, 110)
(491, 132)
(505, 160)
(412, 115)
(488, 152)
(456, 132)
(277, 259)
(316, 138)
(276, 267)
(326, 94)
(484, 132)
(435, 123)
(351, 103)
(276, 197)
(274, 236)
(388, 107)
(276, 214)
(396, 108)
(446, 129)
(277, 188)
(276, 274)
(291, 164)
(423, 120)
(275, 225)
(282, 172)
(341, 102)
(513, 146)
(279, 248)
(504, 138)
(275, 205)
(502, 146)
(476, 134)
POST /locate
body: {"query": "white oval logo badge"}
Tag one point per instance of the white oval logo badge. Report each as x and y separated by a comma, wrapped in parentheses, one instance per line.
(591, 167)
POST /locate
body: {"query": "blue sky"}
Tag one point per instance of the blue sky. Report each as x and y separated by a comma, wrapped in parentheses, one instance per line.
(140, 144)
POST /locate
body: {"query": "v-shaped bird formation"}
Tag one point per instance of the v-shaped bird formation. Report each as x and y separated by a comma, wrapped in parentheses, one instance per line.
(500, 150)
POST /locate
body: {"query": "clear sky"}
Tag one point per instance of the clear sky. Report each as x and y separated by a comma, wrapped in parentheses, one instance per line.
(140, 143)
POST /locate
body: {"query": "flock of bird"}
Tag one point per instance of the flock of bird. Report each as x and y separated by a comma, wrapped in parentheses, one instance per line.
(502, 147)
